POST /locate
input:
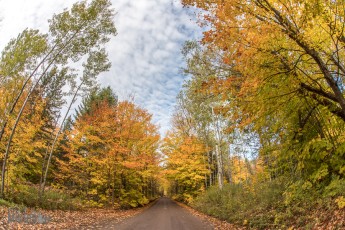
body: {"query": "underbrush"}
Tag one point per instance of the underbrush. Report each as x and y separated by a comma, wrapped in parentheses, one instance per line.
(273, 204)
(52, 199)
(6, 203)
(57, 199)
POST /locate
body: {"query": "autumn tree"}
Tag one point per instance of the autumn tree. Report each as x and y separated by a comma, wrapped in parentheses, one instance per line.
(186, 165)
(112, 157)
(283, 82)
(205, 106)
(73, 34)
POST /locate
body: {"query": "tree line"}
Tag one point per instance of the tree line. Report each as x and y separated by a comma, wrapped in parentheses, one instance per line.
(265, 103)
(104, 154)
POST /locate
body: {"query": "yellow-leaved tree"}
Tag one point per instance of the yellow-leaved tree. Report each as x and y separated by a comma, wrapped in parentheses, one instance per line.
(186, 165)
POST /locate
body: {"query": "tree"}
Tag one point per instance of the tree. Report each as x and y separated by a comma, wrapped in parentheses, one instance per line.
(276, 33)
(112, 155)
(96, 63)
(204, 102)
(73, 34)
(185, 165)
(285, 80)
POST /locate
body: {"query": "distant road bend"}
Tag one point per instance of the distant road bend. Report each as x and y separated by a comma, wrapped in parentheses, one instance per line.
(165, 214)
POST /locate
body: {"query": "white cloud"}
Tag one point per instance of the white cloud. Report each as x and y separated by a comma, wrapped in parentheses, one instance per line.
(145, 54)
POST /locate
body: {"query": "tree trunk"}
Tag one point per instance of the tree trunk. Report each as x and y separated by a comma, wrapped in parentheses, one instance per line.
(23, 106)
(42, 186)
(44, 160)
(10, 140)
(218, 153)
(22, 91)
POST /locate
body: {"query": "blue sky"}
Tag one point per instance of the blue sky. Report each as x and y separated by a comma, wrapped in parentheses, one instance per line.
(145, 54)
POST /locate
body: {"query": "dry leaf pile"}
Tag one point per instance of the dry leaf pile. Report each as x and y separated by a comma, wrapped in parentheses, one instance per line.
(216, 223)
(86, 219)
(323, 220)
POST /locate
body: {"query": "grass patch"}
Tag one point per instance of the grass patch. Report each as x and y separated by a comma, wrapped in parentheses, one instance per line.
(52, 199)
(272, 204)
(6, 203)
(243, 205)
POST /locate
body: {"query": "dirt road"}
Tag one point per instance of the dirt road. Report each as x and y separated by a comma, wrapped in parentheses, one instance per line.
(165, 214)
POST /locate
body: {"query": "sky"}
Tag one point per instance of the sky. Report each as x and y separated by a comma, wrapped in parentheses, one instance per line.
(145, 54)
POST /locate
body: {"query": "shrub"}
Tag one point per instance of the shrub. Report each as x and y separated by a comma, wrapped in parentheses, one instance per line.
(273, 204)
(132, 199)
(6, 203)
(252, 205)
(52, 199)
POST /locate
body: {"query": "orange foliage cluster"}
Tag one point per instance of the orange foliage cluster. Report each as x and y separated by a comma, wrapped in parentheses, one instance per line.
(114, 148)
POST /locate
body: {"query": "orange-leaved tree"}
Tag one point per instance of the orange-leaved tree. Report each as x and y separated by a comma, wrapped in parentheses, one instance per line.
(284, 79)
(112, 156)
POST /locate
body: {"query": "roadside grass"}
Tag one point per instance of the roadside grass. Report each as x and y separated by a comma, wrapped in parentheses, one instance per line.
(57, 199)
(273, 204)
(52, 199)
(6, 203)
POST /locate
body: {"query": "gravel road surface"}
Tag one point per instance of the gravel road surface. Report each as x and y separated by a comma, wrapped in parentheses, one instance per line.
(165, 214)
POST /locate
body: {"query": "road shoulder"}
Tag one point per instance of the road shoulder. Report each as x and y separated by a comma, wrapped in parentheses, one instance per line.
(216, 223)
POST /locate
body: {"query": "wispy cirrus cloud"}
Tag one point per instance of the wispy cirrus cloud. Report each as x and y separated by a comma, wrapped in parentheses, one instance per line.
(145, 54)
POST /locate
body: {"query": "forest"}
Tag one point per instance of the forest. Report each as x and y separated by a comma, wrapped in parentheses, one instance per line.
(257, 135)
(105, 153)
(258, 130)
